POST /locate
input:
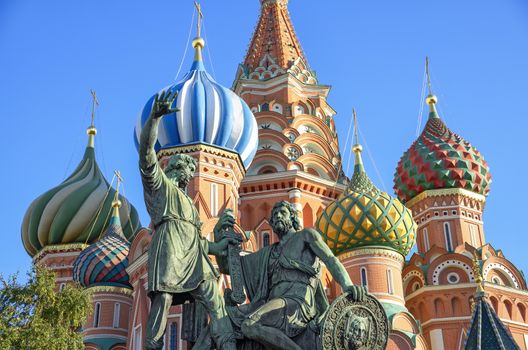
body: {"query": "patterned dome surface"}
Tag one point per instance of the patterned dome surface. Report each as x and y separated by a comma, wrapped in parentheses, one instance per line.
(364, 216)
(105, 261)
(439, 158)
(69, 213)
(208, 113)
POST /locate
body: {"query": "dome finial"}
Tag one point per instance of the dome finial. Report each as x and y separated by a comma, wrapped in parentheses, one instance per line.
(92, 131)
(116, 203)
(431, 99)
(357, 149)
(198, 43)
(478, 277)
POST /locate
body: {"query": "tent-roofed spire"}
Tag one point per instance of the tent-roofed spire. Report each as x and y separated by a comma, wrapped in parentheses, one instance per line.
(275, 37)
(486, 331)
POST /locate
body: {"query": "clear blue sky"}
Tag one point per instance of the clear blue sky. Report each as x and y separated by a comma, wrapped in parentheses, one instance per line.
(372, 53)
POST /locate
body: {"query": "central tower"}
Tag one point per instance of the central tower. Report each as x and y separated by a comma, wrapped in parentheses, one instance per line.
(298, 156)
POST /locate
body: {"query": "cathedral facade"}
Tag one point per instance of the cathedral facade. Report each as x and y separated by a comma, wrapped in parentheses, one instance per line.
(272, 137)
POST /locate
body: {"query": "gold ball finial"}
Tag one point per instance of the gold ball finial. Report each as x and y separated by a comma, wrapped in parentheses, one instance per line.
(91, 130)
(198, 42)
(116, 203)
(431, 100)
(357, 148)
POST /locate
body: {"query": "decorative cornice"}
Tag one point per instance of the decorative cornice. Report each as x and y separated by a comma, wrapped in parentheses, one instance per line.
(445, 192)
(58, 248)
(387, 252)
(200, 147)
(110, 289)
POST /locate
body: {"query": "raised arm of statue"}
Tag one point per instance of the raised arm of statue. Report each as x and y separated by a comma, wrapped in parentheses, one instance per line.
(313, 238)
(148, 163)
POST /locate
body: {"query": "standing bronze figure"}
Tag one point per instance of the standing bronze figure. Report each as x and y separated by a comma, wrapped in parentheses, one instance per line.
(179, 268)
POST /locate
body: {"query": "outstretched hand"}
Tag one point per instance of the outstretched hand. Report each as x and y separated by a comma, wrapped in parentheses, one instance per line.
(357, 293)
(162, 104)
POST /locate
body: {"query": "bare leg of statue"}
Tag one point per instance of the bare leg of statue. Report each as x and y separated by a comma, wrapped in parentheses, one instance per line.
(263, 326)
(157, 321)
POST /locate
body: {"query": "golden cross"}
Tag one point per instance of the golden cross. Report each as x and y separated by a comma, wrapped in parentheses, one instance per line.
(355, 126)
(119, 180)
(95, 102)
(200, 16)
(428, 76)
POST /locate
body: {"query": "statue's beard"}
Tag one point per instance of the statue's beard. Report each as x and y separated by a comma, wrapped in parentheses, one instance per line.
(281, 227)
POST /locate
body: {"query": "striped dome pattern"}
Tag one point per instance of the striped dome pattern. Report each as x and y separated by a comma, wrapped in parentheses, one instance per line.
(71, 212)
(438, 159)
(208, 113)
(104, 262)
(364, 216)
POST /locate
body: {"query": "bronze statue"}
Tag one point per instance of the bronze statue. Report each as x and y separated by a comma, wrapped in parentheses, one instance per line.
(283, 285)
(179, 268)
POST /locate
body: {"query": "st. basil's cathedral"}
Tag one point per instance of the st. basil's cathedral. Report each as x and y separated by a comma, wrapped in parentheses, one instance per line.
(272, 137)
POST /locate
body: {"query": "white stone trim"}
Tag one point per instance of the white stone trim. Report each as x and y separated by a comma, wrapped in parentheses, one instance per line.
(503, 268)
(452, 263)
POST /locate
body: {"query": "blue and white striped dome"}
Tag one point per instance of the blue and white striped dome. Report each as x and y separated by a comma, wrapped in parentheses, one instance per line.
(208, 113)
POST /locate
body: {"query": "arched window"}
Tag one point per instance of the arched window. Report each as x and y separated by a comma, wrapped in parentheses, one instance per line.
(439, 308)
(97, 315)
(456, 307)
(522, 312)
(448, 238)
(495, 304)
(117, 310)
(509, 308)
(265, 239)
(173, 336)
(264, 107)
(426, 239)
(364, 280)
(62, 285)
(390, 286)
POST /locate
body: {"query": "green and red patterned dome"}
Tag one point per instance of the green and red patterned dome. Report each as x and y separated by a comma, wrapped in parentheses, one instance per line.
(440, 159)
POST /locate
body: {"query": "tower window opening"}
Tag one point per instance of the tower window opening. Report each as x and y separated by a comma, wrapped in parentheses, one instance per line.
(390, 286)
(436, 213)
(264, 107)
(62, 285)
(173, 336)
(454, 212)
(97, 315)
(117, 310)
(426, 239)
(138, 344)
(445, 213)
(453, 278)
(364, 281)
(473, 235)
(265, 239)
(448, 238)
(214, 199)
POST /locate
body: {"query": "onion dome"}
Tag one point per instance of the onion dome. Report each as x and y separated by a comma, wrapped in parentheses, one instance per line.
(208, 114)
(69, 213)
(365, 216)
(104, 262)
(438, 159)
